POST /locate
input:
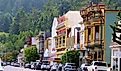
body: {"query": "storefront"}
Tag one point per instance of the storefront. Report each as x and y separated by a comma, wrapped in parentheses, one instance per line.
(115, 57)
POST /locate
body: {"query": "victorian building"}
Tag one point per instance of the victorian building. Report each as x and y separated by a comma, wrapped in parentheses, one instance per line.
(68, 36)
(97, 20)
(93, 19)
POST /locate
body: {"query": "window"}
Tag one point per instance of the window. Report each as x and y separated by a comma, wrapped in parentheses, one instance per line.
(60, 42)
(56, 42)
(97, 32)
(81, 38)
(78, 37)
(99, 54)
(63, 40)
(95, 56)
(89, 34)
(100, 64)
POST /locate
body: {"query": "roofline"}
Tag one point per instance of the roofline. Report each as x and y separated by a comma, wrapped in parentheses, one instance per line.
(112, 10)
(113, 46)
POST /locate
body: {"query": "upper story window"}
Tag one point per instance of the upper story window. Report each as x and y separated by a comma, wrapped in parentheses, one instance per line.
(63, 40)
(97, 32)
(89, 34)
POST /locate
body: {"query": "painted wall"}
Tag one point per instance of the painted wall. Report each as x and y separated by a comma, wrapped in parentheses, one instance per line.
(110, 18)
(53, 48)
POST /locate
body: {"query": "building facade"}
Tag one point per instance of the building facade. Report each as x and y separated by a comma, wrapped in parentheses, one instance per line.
(47, 49)
(40, 44)
(53, 33)
(68, 35)
(97, 20)
(93, 19)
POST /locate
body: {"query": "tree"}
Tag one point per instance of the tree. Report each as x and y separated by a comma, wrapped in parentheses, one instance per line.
(71, 57)
(10, 56)
(31, 54)
(117, 30)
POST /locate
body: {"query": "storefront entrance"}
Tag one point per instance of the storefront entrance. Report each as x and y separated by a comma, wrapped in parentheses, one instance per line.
(116, 59)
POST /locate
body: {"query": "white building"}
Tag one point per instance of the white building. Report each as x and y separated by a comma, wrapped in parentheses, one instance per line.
(116, 52)
(73, 21)
(53, 33)
(115, 56)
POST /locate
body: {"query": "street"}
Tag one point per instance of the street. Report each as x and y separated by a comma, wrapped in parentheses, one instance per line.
(12, 68)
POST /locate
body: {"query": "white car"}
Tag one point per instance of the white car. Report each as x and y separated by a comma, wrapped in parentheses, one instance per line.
(98, 66)
(1, 68)
(54, 67)
(84, 66)
(45, 66)
(70, 67)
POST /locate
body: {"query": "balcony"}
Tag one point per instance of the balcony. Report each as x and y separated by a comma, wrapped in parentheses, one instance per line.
(61, 48)
(60, 52)
(96, 20)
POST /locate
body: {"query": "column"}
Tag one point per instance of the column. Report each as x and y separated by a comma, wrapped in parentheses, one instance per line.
(118, 60)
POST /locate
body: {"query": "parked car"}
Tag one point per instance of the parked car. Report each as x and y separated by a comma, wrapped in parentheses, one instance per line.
(8, 63)
(45, 66)
(70, 67)
(16, 64)
(27, 65)
(54, 67)
(38, 66)
(98, 66)
(33, 64)
(60, 67)
(3, 63)
(83, 67)
(12, 63)
(1, 67)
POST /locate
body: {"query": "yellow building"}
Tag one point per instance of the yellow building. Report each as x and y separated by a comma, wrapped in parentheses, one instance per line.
(66, 28)
(93, 19)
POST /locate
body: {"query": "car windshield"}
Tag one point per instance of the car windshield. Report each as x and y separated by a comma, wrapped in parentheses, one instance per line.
(100, 64)
(45, 63)
(72, 64)
(68, 66)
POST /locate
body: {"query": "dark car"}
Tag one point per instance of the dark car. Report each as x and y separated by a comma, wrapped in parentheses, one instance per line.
(16, 65)
(38, 66)
(4, 64)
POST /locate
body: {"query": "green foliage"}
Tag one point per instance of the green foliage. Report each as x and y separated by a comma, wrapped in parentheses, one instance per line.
(22, 18)
(31, 54)
(71, 57)
(116, 29)
(10, 56)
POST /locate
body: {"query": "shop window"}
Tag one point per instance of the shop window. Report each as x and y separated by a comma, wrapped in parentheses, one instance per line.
(95, 56)
(99, 54)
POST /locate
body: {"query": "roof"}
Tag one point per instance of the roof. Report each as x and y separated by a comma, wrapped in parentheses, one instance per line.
(47, 34)
(114, 44)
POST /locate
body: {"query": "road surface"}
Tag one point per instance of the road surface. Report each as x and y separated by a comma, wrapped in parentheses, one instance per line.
(12, 68)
